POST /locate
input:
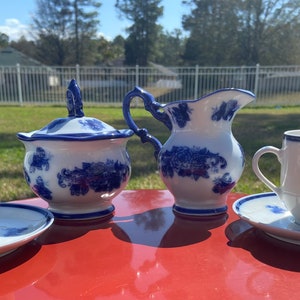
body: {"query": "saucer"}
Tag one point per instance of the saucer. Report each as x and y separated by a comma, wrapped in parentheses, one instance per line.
(266, 212)
(20, 224)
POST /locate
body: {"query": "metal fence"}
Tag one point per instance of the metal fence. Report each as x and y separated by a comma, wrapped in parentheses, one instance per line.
(21, 85)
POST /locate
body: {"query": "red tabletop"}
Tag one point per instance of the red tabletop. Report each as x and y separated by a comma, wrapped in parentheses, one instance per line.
(145, 252)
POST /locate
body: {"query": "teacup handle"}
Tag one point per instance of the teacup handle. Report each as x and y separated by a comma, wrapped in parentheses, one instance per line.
(256, 169)
(154, 108)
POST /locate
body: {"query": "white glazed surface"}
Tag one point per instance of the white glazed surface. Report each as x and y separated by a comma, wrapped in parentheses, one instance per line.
(75, 177)
(77, 164)
(268, 213)
(20, 224)
(210, 157)
(289, 159)
(199, 194)
(201, 161)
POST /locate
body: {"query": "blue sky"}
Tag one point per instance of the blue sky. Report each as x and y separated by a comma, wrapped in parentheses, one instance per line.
(15, 17)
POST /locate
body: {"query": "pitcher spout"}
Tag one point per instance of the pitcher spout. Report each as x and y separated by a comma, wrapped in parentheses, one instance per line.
(219, 107)
(229, 102)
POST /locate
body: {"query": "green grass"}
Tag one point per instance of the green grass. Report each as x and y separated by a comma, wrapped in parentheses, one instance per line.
(252, 127)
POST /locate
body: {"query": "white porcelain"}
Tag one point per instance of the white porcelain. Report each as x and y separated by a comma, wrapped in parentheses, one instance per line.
(77, 164)
(201, 161)
(289, 159)
(20, 224)
(267, 212)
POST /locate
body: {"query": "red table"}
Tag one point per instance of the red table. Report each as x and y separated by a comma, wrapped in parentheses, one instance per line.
(145, 252)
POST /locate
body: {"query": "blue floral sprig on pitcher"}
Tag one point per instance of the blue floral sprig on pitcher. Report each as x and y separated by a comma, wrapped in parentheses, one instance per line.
(194, 162)
(225, 111)
(223, 184)
(181, 114)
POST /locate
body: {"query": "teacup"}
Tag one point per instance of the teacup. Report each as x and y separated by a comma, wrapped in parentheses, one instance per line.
(289, 158)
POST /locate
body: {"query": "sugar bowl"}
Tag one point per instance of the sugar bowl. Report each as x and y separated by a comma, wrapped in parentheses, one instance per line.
(77, 164)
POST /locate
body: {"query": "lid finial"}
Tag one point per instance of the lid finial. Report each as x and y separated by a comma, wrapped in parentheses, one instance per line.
(74, 101)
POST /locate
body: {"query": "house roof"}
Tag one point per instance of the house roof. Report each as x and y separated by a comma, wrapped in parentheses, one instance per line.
(10, 57)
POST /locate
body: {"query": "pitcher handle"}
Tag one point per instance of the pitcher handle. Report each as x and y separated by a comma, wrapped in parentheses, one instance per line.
(154, 108)
(256, 169)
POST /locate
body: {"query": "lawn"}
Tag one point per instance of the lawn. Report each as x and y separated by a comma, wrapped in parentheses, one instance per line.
(252, 127)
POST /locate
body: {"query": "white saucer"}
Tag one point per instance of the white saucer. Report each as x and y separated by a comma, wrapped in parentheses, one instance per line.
(20, 224)
(266, 212)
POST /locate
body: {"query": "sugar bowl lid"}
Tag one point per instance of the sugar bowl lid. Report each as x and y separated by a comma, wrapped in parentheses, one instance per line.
(75, 127)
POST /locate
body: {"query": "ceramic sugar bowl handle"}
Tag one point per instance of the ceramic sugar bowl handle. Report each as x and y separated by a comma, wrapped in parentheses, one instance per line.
(155, 108)
(258, 172)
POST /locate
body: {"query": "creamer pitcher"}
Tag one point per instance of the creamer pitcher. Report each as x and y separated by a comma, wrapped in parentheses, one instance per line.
(201, 161)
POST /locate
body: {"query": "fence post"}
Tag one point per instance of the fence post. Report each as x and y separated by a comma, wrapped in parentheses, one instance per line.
(19, 84)
(136, 75)
(196, 82)
(78, 74)
(256, 82)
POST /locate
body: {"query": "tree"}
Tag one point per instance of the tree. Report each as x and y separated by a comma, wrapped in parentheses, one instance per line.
(109, 51)
(24, 46)
(52, 26)
(269, 32)
(3, 40)
(142, 42)
(85, 27)
(65, 30)
(213, 27)
(237, 32)
(171, 48)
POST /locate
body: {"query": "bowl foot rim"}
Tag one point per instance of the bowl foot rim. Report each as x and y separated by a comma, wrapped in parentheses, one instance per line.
(84, 216)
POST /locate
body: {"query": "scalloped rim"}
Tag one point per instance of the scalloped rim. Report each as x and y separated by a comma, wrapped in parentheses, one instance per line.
(123, 133)
(243, 91)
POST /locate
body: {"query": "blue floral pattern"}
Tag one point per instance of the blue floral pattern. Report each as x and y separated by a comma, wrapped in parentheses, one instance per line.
(27, 177)
(223, 184)
(181, 114)
(92, 124)
(196, 163)
(99, 176)
(40, 189)
(40, 160)
(225, 111)
(276, 209)
(12, 231)
(192, 162)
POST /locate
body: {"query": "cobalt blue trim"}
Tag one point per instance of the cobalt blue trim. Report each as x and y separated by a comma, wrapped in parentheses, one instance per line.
(123, 133)
(46, 213)
(292, 138)
(91, 215)
(213, 93)
(249, 198)
(199, 212)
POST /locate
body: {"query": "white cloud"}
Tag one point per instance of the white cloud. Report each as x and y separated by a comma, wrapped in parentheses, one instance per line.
(15, 29)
